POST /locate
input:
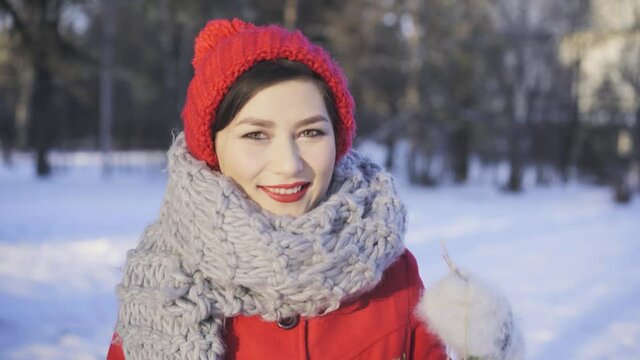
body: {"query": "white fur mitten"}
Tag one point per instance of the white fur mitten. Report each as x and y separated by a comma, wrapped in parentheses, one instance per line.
(471, 318)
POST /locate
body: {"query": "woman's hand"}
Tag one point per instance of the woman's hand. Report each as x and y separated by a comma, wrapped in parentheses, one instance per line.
(471, 318)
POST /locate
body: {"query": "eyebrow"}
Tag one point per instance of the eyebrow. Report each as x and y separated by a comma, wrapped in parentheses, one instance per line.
(271, 124)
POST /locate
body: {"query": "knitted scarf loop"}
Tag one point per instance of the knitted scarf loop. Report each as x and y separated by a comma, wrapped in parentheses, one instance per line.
(213, 254)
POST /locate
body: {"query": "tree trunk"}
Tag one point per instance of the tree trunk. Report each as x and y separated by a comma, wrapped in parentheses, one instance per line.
(515, 159)
(636, 143)
(570, 140)
(460, 149)
(171, 59)
(290, 13)
(7, 132)
(517, 118)
(106, 85)
(41, 118)
(390, 142)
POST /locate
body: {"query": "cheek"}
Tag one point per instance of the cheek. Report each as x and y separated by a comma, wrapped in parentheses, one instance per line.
(322, 161)
(241, 164)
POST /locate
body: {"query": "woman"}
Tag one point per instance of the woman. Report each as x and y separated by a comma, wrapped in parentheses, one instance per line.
(274, 240)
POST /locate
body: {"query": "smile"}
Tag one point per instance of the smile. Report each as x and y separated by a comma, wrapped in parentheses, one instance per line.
(286, 193)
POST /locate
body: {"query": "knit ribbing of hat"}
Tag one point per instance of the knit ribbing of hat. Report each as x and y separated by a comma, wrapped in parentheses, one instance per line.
(214, 253)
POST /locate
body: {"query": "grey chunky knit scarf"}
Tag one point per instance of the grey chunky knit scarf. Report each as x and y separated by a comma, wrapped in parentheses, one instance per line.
(213, 253)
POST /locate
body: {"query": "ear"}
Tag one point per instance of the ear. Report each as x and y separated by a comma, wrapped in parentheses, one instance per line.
(471, 318)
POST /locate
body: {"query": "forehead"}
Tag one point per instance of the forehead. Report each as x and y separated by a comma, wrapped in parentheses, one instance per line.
(285, 101)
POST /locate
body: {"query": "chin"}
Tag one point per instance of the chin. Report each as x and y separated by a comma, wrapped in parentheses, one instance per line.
(288, 211)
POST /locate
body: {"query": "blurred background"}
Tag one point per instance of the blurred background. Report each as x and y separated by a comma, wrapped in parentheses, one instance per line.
(512, 126)
(543, 84)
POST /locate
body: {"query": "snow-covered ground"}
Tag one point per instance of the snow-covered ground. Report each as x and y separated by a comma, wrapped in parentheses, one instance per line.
(567, 257)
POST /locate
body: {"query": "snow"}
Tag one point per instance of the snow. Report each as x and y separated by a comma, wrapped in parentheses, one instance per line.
(565, 256)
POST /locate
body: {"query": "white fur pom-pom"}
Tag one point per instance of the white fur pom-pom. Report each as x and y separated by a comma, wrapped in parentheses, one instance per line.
(471, 318)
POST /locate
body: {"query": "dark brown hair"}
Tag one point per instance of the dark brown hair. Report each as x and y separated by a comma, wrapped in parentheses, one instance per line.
(263, 75)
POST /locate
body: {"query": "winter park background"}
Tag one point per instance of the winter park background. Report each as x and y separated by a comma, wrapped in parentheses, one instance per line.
(511, 126)
(567, 257)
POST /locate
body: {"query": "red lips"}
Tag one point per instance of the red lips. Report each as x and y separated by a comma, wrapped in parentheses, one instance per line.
(284, 193)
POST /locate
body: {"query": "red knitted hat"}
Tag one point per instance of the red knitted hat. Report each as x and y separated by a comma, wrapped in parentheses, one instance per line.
(225, 49)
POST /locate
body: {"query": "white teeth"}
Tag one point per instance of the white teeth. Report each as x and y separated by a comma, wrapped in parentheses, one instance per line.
(285, 191)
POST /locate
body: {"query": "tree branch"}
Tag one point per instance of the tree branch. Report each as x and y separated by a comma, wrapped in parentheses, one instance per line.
(20, 26)
(67, 48)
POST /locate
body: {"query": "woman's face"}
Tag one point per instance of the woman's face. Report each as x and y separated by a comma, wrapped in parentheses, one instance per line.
(280, 147)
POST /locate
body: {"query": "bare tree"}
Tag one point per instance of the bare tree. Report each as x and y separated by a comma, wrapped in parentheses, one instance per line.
(630, 73)
(527, 34)
(37, 23)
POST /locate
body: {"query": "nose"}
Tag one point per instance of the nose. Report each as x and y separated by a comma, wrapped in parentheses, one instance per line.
(285, 157)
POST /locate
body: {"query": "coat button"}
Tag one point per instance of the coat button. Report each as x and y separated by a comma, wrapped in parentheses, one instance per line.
(289, 323)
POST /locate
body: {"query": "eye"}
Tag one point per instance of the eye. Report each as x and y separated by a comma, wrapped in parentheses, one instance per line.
(312, 133)
(255, 135)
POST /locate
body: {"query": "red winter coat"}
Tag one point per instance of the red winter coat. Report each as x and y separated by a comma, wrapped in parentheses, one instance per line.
(378, 325)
